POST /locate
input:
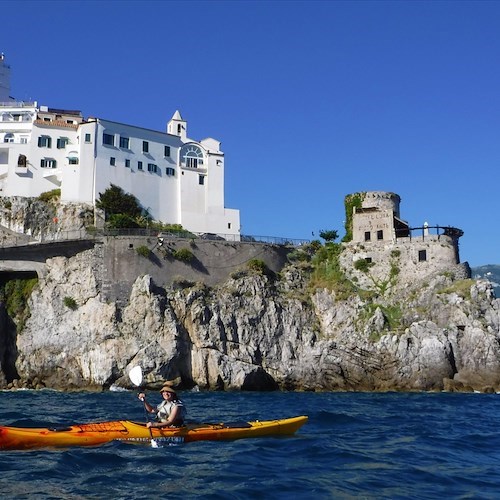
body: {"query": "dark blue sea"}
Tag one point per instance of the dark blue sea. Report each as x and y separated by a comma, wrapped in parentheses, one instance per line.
(355, 445)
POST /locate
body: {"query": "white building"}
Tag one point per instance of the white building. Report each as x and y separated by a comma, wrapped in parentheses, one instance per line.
(177, 180)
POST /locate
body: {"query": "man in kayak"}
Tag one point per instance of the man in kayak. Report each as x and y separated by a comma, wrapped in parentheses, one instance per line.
(171, 412)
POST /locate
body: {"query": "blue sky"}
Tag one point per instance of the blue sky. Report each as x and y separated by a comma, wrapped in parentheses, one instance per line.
(311, 100)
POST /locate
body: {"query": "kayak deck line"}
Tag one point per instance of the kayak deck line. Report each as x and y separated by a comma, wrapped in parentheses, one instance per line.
(96, 433)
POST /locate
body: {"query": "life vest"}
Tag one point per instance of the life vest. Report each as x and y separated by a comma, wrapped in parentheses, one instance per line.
(164, 409)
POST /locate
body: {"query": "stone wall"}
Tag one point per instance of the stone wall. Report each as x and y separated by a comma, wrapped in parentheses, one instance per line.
(213, 262)
(402, 258)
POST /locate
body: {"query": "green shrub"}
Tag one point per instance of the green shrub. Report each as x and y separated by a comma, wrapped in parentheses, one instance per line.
(144, 251)
(183, 254)
(121, 221)
(327, 272)
(15, 294)
(70, 303)
(328, 234)
(258, 265)
(50, 195)
(114, 200)
(362, 265)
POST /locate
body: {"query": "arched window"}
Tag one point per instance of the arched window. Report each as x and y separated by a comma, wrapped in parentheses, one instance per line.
(191, 156)
(8, 138)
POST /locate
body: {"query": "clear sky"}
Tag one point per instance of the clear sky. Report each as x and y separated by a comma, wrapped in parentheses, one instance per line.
(311, 100)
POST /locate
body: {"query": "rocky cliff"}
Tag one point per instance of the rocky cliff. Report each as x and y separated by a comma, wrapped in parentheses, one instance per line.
(255, 331)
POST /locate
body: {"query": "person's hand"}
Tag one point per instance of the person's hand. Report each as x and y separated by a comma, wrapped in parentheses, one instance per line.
(149, 425)
(142, 396)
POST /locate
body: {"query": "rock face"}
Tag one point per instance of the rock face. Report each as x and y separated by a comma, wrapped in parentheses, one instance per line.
(256, 332)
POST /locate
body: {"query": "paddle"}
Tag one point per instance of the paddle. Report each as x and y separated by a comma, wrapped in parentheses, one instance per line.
(135, 376)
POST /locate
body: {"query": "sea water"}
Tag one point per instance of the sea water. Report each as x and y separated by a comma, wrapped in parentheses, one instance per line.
(355, 445)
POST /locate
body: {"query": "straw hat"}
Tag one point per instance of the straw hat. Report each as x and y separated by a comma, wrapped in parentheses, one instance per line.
(167, 388)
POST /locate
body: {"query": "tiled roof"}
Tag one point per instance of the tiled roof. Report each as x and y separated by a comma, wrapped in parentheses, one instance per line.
(56, 123)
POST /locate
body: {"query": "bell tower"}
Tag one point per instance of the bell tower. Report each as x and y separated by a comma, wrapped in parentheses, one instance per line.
(177, 126)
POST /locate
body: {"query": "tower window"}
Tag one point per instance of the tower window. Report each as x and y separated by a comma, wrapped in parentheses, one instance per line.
(422, 255)
(145, 146)
(201, 180)
(368, 236)
(380, 235)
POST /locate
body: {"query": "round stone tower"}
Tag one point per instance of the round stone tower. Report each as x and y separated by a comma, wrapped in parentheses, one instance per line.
(382, 200)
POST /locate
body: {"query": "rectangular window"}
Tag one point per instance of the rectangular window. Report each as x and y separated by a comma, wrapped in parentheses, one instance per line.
(145, 146)
(108, 139)
(167, 152)
(368, 236)
(229, 225)
(44, 141)
(88, 138)
(201, 180)
(192, 162)
(422, 255)
(152, 168)
(139, 165)
(127, 163)
(61, 142)
(24, 140)
(170, 171)
(73, 160)
(48, 163)
(124, 142)
(112, 161)
(380, 235)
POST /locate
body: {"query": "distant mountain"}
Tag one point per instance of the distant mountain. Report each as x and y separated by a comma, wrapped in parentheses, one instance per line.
(490, 272)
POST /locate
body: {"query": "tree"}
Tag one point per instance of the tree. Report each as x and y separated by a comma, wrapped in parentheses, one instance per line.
(115, 201)
(328, 235)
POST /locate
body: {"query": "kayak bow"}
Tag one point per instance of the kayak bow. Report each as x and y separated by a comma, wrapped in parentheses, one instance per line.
(94, 434)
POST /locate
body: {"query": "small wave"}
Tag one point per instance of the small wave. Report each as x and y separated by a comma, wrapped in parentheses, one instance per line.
(117, 388)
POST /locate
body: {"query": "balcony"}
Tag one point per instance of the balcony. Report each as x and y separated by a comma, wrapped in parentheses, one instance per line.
(53, 175)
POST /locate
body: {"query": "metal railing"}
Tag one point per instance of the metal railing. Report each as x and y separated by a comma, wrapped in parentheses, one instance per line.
(48, 236)
(427, 231)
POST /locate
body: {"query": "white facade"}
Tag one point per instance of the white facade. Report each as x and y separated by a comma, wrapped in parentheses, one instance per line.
(176, 180)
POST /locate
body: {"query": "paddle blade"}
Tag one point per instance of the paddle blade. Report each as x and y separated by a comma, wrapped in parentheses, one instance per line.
(135, 375)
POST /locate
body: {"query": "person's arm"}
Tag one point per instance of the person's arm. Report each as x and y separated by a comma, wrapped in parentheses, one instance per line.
(148, 407)
(171, 419)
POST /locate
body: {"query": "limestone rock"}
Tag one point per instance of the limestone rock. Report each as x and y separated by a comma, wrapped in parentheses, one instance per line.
(253, 332)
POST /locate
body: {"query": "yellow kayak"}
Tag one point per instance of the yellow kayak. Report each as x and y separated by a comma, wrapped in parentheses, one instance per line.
(93, 434)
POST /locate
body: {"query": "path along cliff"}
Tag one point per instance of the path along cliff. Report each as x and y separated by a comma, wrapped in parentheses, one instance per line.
(256, 330)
